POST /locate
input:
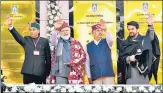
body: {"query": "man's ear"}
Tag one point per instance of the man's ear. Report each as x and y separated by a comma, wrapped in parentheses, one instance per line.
(38, 30)
(93, 31)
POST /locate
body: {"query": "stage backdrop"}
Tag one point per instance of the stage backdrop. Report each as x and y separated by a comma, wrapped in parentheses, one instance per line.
(12, 54)
(87, 13)
(135, 11)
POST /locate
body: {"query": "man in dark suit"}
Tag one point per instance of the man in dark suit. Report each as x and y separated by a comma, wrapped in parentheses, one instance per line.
(37, 62)
(135, 54)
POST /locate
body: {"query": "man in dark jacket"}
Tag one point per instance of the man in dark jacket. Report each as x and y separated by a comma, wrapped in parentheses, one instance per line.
(156, 59)
(136, 53)
(99, 67)
(37, 62)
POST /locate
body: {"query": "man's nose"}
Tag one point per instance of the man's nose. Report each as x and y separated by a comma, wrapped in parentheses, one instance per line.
(32, 31)
(66, 33)
(100, 31)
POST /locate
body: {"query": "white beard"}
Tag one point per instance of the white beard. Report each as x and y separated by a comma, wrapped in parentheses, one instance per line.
(65, 37)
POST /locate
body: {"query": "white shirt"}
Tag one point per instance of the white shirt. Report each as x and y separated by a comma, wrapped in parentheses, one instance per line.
(10, 28)
(109, 39)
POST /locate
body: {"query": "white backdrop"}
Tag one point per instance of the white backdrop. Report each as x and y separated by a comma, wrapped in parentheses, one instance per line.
(64, 8)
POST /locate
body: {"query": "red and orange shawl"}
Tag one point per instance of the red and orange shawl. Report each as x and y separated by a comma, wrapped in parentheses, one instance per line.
(78, 58)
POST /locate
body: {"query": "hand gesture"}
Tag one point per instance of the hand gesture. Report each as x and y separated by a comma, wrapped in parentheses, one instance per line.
(103, 25)
(149, 19)
(58, 23)
(132, 58)
(8, 20)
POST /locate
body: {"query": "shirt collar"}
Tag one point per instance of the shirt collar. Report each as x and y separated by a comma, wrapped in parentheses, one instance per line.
(97, 42)
(65, 40)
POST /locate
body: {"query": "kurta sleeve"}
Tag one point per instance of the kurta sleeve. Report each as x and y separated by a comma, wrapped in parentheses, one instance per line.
(87, 65)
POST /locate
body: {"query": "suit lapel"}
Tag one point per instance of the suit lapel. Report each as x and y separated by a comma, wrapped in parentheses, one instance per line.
(31, 41)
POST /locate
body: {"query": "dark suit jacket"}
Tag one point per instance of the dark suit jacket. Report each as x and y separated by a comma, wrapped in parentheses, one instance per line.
(38, 65)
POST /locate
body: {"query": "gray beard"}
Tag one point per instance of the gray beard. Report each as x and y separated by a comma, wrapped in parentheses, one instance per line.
(65, 37)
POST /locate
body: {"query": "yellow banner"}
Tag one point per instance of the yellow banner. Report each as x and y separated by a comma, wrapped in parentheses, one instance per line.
(136, 11)
(12, 54)
(87, 13)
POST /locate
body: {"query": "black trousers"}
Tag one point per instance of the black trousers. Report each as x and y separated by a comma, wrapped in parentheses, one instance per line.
(27, 78)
